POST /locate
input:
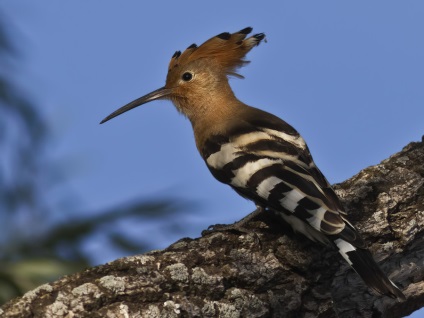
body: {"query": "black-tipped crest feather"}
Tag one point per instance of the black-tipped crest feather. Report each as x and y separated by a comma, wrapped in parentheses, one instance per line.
(226, 50)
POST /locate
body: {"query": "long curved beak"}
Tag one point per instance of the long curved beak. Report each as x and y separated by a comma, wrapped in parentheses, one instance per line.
(157, 94)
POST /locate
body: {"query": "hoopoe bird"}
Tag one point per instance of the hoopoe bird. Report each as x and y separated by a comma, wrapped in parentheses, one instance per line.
(257, 154)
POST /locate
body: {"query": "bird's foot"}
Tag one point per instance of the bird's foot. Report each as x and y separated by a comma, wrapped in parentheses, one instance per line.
(226, 227)
(239, 226)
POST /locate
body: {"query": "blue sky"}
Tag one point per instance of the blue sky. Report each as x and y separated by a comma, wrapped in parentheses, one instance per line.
(348, 75)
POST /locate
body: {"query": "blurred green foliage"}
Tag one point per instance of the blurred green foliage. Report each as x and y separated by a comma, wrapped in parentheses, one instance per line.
(35, 247)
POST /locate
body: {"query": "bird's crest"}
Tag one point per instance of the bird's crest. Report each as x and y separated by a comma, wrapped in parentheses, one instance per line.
(225, 49)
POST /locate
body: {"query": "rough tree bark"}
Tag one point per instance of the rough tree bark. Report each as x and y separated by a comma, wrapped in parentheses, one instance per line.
(271, 272)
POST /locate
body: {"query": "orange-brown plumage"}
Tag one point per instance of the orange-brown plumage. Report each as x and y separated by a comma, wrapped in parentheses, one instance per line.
(207, 98)
(226, 51)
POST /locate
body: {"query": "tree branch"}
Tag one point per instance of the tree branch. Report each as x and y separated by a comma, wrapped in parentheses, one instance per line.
(270, 272)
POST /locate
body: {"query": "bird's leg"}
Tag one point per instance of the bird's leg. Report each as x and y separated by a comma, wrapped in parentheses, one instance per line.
(236, 226)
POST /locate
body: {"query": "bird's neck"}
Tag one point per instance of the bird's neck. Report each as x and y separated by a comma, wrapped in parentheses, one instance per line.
(214, 114)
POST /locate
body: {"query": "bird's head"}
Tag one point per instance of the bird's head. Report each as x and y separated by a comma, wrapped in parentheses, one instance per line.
(200, 72)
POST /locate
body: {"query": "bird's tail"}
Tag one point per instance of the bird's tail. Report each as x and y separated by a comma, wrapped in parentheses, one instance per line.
(354, 251)
(361, 260)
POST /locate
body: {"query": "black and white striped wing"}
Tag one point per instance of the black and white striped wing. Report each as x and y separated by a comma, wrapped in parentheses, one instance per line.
(274, 169)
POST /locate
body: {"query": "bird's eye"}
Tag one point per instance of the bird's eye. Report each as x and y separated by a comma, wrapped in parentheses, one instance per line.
(187, 76)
